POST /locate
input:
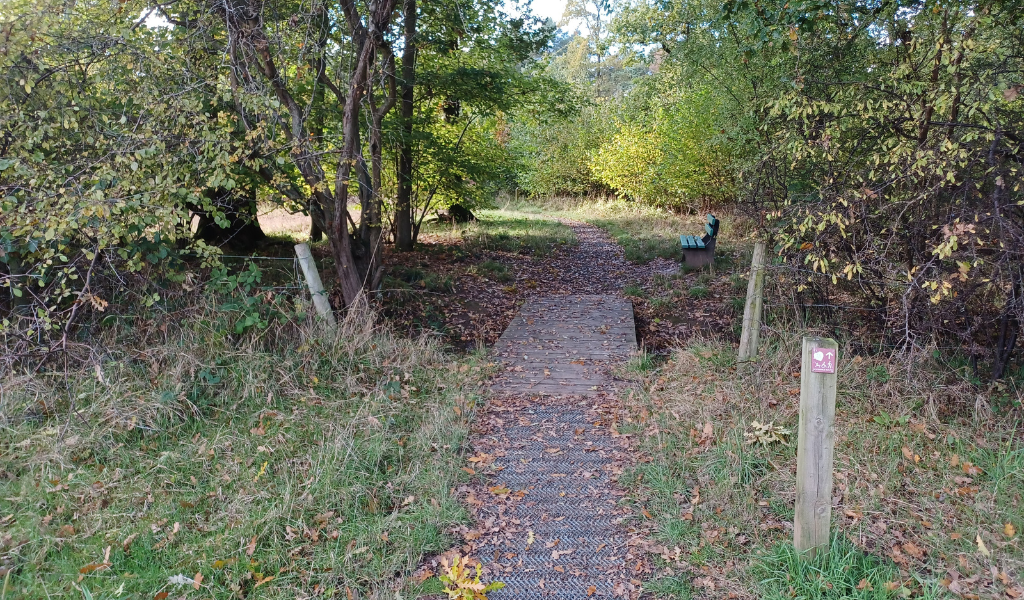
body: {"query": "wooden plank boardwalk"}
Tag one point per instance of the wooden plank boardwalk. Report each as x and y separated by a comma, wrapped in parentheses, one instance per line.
(563, 345)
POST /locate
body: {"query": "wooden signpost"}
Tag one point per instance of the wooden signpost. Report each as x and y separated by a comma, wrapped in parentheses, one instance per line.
(815, 446)
(316, 287)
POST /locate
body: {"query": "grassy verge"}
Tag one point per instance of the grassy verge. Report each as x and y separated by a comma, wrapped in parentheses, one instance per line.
(505, 231)
(195, 464)
(645, 233)
(918, 480)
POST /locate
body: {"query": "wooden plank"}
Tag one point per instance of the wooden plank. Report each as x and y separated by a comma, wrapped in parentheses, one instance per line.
(564, 345)
(815, 448)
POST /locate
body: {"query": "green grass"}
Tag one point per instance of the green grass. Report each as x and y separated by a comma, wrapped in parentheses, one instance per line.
(698, 291)
(492, 270)
(634, 290)
(508, 231)
(844, 572)
(640, 363)
(640, 242)
(415, 278)
(325, 461)
(644, 233)
(920, 515)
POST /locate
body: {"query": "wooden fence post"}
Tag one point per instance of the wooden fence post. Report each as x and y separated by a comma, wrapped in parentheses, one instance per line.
(815, 446)
(752, 308)
(316, 287)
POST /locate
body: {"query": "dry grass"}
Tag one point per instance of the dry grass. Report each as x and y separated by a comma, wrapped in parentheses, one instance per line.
(297, 464)
(504, 231)
(918, 480)
(278, 221)
(644, 232)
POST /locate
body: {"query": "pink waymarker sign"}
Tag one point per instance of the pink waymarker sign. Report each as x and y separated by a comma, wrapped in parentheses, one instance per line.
(823, 360)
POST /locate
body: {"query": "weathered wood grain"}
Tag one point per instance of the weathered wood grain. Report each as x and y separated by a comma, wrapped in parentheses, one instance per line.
(564, 345)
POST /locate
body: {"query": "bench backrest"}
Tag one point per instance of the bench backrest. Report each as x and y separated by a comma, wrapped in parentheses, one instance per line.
(712, 226)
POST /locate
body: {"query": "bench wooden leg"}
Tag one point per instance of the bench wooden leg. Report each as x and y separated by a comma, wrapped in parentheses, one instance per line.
(700, 258)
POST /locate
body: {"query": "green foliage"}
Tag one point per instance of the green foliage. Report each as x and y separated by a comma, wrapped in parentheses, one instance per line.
(880, 143)
(238, 294)
(556, 154)
(93, 168)
(634, 290)
(678, 159)
(628, 164)
(462, 584)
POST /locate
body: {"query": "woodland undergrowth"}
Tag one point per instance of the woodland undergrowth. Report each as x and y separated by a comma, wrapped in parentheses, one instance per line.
(928, 476)
(191, 464)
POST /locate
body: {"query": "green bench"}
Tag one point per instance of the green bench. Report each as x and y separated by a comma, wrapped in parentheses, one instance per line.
(700, 251)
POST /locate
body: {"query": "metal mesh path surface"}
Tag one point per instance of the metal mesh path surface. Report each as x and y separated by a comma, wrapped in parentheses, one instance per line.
(549, 521)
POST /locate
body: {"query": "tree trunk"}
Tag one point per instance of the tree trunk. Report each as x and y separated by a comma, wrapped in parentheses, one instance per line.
(243, 232)
(250, 51)
(403, 204)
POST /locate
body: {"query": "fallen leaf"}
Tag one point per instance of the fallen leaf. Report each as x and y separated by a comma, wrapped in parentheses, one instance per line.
(1009, 530)
(251, 547)
(913, 549)
(982, 547)
(552, 543)
(499, 490)
(646, 514)
(264, 580)
(591, 590)
(864, 585)
(468, 470)
(161, 596)
(128, 541)
(907, 454)
(971, 469)
(92, 567)
(197, 581)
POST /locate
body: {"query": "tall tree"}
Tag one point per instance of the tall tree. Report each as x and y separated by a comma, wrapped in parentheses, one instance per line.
(403, 205)
(290, 68)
